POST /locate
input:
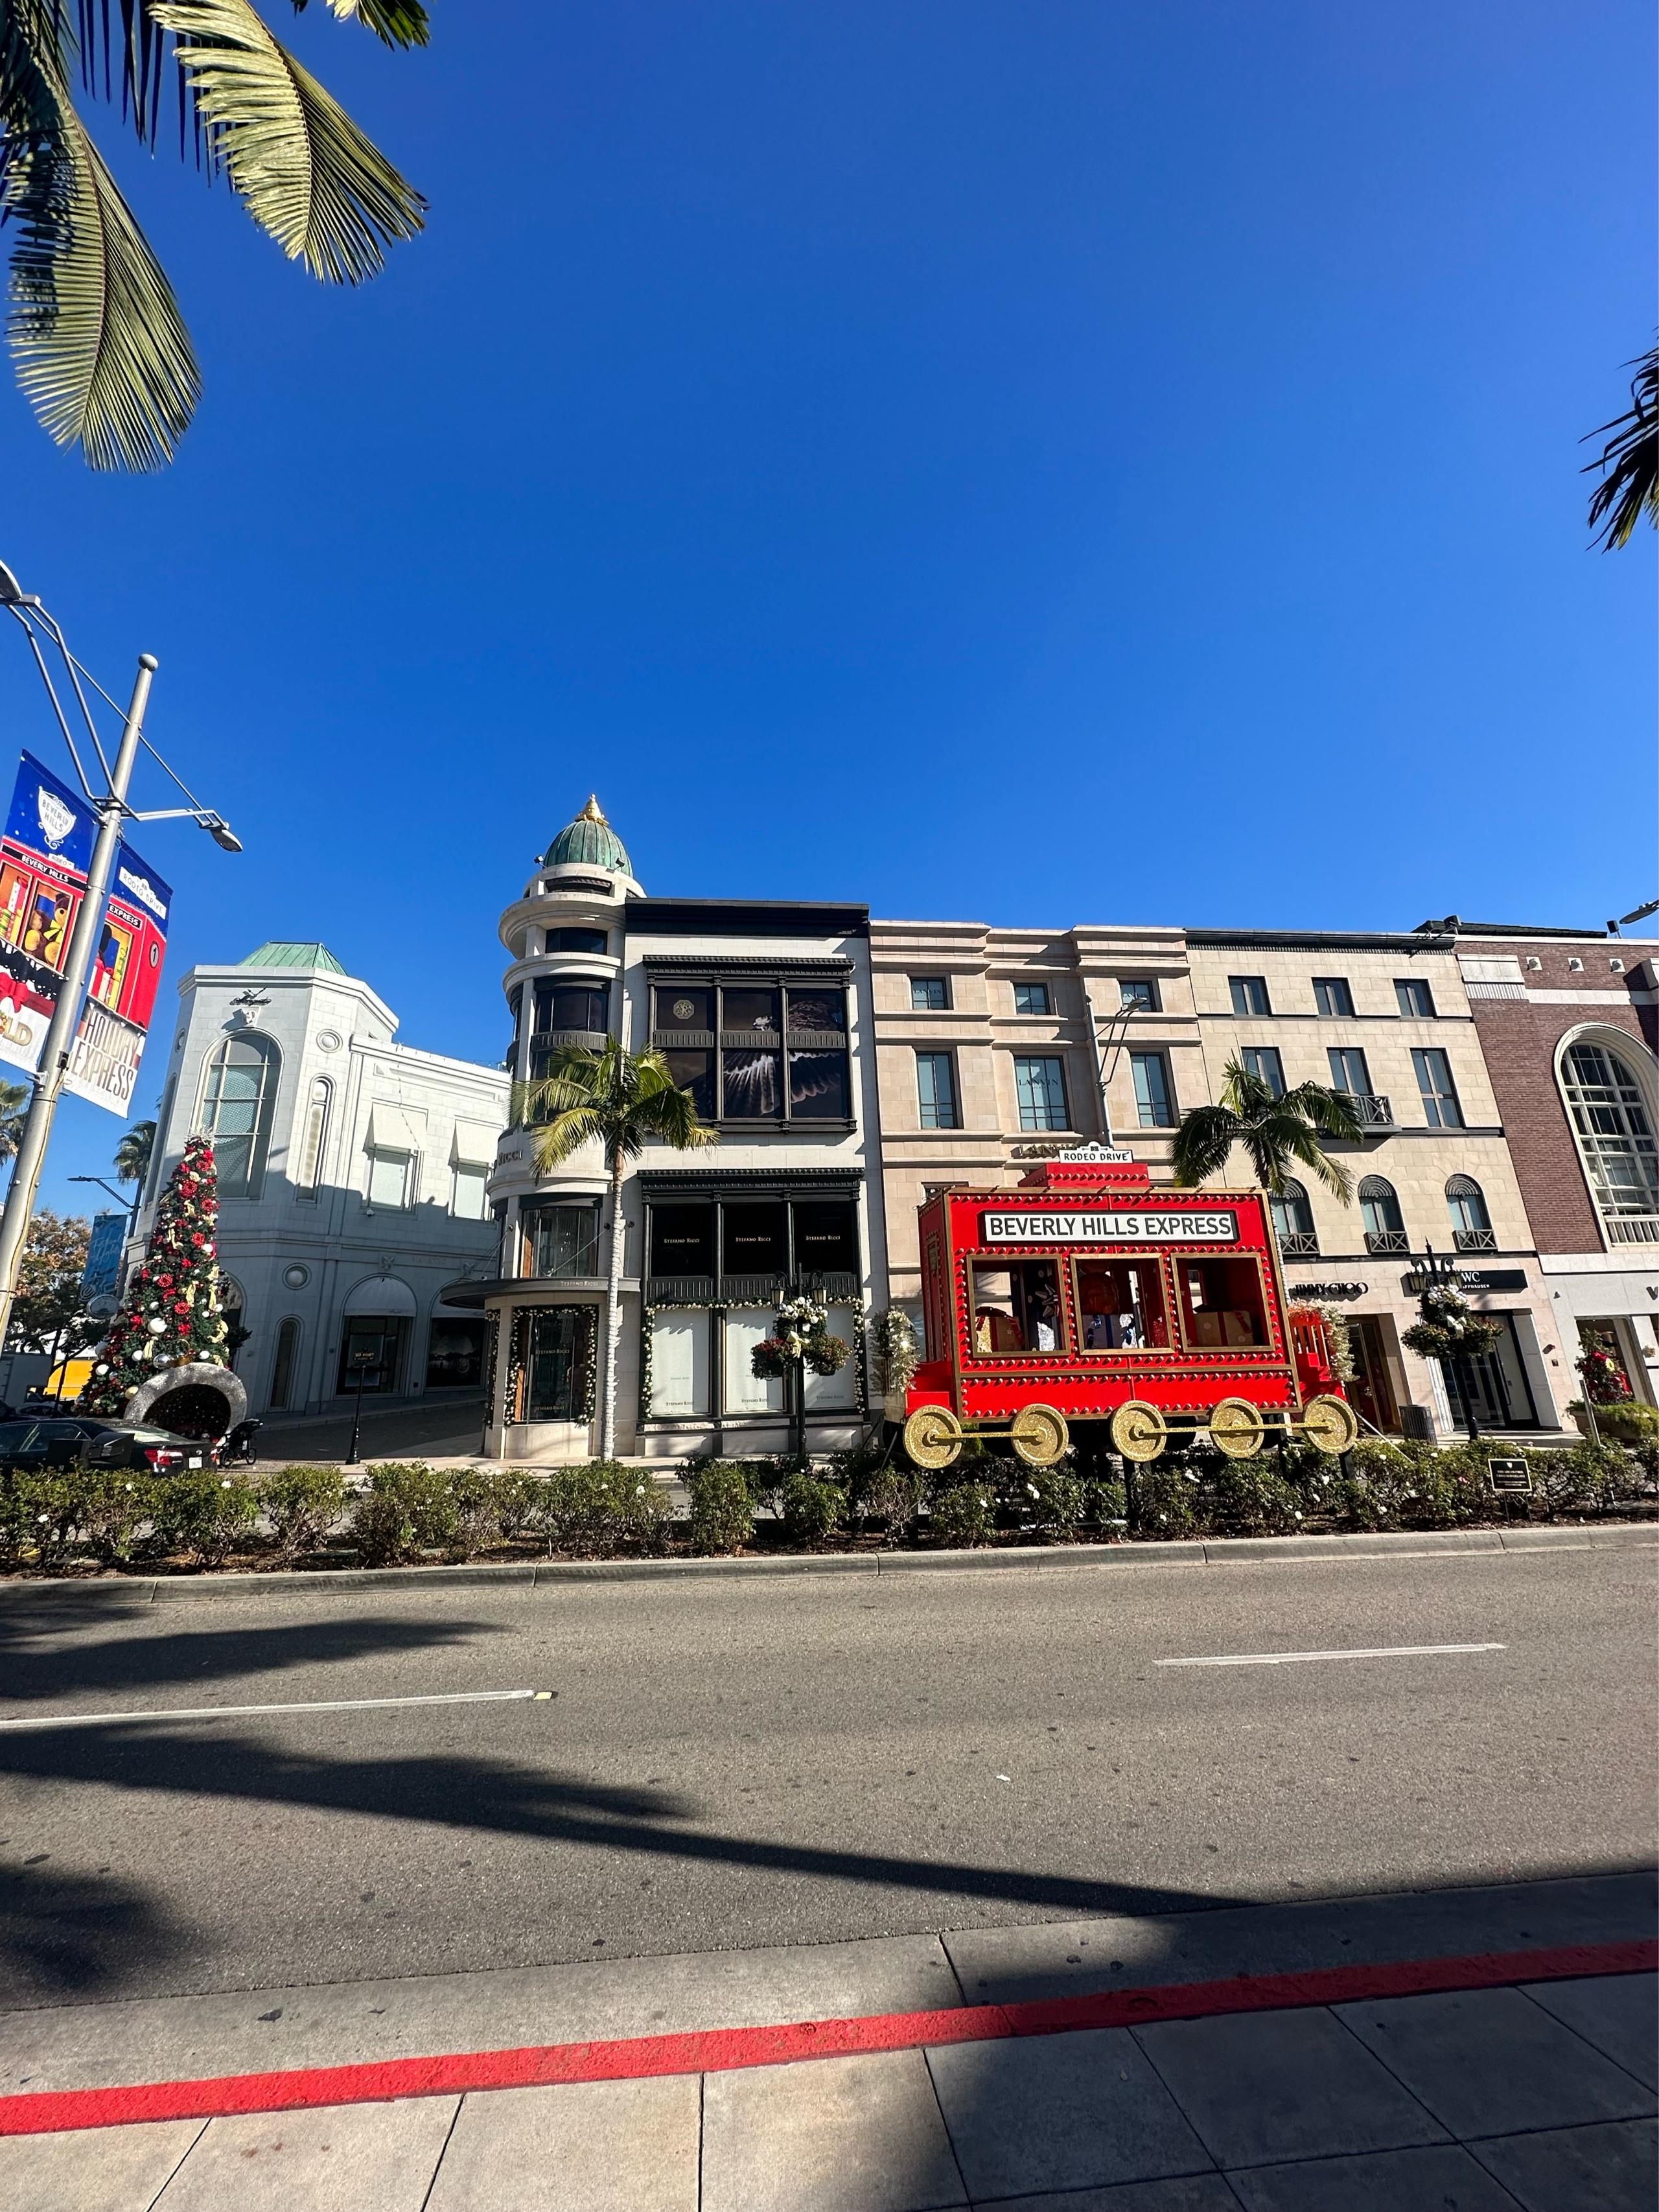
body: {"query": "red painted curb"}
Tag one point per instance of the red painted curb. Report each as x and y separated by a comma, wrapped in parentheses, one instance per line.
(50, 2112)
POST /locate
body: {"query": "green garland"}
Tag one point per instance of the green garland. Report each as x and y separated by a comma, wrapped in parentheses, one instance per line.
(647, 1350)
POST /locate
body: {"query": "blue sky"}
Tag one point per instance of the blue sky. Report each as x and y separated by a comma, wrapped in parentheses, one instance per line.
(1086, 462)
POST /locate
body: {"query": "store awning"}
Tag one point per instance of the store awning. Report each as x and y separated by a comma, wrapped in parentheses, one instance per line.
(474, 1145)
(395, 1129)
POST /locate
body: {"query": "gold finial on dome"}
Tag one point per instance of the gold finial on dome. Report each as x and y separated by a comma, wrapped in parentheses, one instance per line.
(593, 811)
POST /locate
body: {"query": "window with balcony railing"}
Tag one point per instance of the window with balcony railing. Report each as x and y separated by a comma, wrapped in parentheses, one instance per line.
(1471, 1229)
(1293, 1223)
(1384, 1224)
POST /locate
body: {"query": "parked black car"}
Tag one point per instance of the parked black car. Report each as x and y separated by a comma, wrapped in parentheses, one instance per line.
(77, 1440)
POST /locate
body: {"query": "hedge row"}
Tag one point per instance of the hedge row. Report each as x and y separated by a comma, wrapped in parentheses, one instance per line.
(406, 1513)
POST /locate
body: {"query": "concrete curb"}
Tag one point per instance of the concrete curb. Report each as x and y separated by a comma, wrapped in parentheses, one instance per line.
(526, 1574)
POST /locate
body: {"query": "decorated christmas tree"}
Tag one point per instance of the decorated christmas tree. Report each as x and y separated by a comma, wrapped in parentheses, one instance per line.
(170, 1315)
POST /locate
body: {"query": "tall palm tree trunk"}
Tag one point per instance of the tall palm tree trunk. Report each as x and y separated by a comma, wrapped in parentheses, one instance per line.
(612, 1312)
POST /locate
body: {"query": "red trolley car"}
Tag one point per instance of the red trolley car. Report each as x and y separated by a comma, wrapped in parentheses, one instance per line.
(1087, 1296)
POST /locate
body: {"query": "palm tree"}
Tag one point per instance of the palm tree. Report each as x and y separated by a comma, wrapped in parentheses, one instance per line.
(621, 1098)
(1629, 462)
(133, 1154)
(1275, 1130)
(101, 351)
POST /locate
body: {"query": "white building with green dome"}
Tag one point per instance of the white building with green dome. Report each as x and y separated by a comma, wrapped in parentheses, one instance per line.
(353, 1175)
(762, 1010)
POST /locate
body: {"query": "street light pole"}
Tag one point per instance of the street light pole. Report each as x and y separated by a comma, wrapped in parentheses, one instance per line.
(112, 811)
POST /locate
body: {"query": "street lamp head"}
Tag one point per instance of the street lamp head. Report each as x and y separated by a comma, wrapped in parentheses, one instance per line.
(10, 590)
(221, 832)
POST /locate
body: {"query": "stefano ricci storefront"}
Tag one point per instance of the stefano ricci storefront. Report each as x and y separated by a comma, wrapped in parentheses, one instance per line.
(761, 1012)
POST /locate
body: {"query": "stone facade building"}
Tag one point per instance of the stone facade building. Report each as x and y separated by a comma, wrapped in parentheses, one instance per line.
(1568, 1022)
(997, 1045)
(352, 1179)
(762, 1010)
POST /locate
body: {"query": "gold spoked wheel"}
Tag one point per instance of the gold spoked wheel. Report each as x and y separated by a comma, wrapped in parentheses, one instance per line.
(1236, 1428)
(1330, 1423)
(1140, 1431)
(1039, 1434)
(933, 1436)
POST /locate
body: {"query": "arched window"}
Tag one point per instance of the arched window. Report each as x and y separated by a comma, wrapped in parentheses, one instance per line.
(308, 1171)
(1379, 1209)
(1293, 1222)
(239, 1097)
(1612, 1122)
(1472, 1230)
(282, 1366)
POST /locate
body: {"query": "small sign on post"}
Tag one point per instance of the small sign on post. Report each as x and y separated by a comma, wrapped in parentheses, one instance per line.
(1510, 1477)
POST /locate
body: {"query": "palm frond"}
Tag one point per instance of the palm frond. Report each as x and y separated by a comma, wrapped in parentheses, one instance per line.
(566, 1131)
(101, 351)
(1331, 1112)
(1629, 463)
(1202, 1142)
(303, 170)
(395, 23)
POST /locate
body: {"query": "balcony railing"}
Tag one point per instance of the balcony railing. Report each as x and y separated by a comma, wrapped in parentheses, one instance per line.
(1370, 1108)
(1633, 1228)
(1380, 1241)
(1475, 1240)
(836, 1288)
(1300, 1244)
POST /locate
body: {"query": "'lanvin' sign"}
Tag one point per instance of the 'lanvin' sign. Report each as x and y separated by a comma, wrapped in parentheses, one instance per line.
(1052, 1227)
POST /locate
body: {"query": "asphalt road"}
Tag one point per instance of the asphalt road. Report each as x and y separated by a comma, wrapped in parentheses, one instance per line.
(748, 1761)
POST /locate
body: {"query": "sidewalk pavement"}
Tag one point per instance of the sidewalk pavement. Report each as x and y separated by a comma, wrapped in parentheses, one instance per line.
(1538, 2094)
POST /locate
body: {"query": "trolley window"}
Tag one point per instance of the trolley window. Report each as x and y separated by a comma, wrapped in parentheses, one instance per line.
(1017, 1307)
(1221, 1304)
(1121, 1305)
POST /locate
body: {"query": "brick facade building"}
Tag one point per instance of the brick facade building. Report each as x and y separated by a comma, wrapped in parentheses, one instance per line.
(1568, 1022)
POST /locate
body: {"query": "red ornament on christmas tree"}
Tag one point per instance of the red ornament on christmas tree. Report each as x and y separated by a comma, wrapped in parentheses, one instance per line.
(170, 1315)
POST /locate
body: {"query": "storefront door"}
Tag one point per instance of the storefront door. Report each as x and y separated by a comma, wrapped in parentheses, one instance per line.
(1370, 1390)
(1497, 1384)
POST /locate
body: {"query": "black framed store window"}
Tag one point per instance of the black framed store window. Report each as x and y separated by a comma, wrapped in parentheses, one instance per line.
(757, 1049)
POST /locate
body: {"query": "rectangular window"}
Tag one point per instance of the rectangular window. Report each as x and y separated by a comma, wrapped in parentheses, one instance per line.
(369, 1350)
(837, 1393)
(682, 1240)
(757, 1011)
(936, 1091)
(1017, 1307)
(679, 1362)
(1249, 994)
(752, 1088)
(562, 1239)
(1434, 1079)
(1041, 1087)
(1348, 1070)
(1263, 1061)
(558, 1356)
(820, 1089)
(1139, 993)
(581, 1005)
(1413, 996)
(826, 1238)
(817, 1011)
(694, 1071)
(930, 994)
(1332, 996)
(743, 1391)
(1221, 1304)
(755, 1238)
(388, 1178)
(1154, 1101)
(466, 1197)
(1031, 998)
(684, 1009)
(1121, 1305)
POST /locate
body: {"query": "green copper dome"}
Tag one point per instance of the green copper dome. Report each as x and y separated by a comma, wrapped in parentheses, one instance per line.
(279, 952)
(589, 841)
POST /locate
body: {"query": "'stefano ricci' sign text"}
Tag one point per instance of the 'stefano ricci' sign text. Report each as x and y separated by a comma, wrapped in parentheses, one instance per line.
(1053, 1227)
